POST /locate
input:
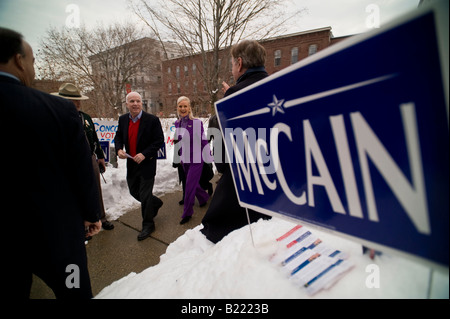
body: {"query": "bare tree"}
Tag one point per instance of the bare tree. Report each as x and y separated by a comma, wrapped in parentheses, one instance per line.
(101, 60)
(208, 27)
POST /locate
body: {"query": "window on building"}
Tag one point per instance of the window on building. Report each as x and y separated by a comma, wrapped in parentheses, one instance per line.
(277, 59)
(169, 88)
(194, 69)
(178, 88)
(178, 72)
(312, 49)
(169, 70)
(145, 105)
(194, 84)
(294, 55)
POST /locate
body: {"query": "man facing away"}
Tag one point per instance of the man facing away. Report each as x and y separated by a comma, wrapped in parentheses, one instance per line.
(224, 213)
(138, 138)
(48, 182)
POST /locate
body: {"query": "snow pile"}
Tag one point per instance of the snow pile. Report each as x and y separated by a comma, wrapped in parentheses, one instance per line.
(193, 267)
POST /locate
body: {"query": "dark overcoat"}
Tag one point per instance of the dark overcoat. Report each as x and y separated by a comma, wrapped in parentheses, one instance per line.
(49, 191)
(224, 213)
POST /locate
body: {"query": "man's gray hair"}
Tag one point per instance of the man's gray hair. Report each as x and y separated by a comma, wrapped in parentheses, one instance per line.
(126, 98)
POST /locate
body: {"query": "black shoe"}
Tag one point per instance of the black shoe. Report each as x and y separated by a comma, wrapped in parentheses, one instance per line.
(145, 233)
(181, 202)
(185, 220)
(106, 225)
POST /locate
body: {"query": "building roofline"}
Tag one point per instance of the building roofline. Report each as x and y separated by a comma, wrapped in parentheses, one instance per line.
(296, 34)
(145, 38)
(267, 40)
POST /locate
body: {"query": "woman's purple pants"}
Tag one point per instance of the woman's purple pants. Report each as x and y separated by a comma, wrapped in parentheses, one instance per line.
(193, 172)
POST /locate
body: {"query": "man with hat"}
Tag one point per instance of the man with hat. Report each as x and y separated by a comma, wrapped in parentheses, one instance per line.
(71, 92)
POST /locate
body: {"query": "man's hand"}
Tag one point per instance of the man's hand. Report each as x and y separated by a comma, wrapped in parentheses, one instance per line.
(101, 162)
(92, 228)
(225, 87)
(122, 154)
(139, 158)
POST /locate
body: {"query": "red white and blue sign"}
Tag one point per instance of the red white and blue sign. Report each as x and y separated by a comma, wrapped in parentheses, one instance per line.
(354, 139)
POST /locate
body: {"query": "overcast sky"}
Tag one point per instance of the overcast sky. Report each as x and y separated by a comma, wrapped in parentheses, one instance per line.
(32, 18)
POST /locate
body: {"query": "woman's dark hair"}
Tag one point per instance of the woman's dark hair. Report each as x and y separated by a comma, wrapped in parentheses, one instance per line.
(10, 44)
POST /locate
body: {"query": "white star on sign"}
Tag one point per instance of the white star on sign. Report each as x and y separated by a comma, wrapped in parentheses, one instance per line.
(276, 105)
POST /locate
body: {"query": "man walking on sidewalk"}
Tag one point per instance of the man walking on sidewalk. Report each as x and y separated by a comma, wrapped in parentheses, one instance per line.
(141, 135)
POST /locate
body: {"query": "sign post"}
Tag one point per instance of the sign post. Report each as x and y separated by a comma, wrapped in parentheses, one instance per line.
(353, 139)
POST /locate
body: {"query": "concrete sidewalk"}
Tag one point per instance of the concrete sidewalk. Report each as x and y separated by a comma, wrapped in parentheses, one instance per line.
(113, 254)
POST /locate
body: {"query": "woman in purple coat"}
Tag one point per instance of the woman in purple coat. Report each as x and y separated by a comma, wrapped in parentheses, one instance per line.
(194, 150)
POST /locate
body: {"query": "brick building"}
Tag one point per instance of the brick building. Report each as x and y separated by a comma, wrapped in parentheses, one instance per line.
(121, 65)
(183, 76)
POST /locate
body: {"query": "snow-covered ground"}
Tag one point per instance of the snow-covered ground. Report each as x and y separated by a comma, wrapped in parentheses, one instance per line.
(193, 267)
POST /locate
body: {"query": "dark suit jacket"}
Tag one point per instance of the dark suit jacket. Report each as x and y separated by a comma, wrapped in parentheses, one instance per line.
(48, 181)
(224, 213)
(149, 140)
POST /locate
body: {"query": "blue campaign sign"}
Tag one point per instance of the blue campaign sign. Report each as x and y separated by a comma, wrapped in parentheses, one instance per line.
(354, 139)
(162, 152)
(105, 148)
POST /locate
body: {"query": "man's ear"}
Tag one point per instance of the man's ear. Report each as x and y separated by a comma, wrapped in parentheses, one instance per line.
(239, 61)
(18, 61)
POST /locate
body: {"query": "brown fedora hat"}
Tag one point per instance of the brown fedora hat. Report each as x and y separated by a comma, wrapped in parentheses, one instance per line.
(70, 91)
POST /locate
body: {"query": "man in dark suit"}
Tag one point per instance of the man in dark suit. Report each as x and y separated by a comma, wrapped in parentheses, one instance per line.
(224, 213)
(141, 135)
(48, 182)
